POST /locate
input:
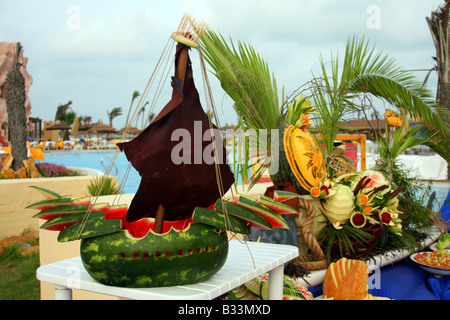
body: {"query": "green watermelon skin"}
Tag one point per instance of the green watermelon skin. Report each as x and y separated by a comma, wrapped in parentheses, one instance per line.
(156, 260)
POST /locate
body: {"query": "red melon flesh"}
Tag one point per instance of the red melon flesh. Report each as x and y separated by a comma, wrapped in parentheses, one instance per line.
(281, 195)
(60, 227)
(140, 228)
(275, 220)
(59, 211)
(278, 207)
(116, 211)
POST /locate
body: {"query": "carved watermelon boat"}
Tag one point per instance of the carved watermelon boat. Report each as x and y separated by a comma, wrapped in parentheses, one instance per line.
(174, 230)
(131, 254)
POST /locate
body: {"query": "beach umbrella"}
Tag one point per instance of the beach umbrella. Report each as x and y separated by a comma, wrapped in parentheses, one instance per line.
(129, 130)
(101, 128)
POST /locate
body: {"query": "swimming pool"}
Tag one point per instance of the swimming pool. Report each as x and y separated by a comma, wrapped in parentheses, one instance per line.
(93, 160)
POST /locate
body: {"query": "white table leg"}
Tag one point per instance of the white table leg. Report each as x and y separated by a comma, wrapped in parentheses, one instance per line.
(62, 293)
(276, 283)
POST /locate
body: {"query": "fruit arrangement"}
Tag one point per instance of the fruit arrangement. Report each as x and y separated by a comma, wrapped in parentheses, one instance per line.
(130, 254)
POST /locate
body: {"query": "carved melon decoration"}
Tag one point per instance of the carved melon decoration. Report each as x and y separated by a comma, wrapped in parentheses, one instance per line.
(301, 161)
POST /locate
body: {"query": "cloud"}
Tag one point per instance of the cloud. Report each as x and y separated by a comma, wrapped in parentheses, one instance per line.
(131, 36)
(99, 59)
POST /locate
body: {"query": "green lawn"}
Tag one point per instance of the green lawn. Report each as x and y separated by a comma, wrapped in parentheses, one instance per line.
(18, 275)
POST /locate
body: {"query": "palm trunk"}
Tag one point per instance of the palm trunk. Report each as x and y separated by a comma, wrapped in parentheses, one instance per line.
(15, 106)
(439, 25)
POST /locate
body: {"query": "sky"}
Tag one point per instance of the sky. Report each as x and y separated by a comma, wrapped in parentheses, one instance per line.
(97, 53)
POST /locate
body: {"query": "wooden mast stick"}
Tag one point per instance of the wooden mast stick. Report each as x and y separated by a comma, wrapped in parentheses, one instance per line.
(180, 74)
(188, 34)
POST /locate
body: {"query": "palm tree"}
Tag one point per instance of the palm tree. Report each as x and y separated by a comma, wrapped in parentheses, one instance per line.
(135, 95)
(142, 113)
(114, 113)
(367, 72)
(439, 25)
(86, 120)
(15, 107)
(62, 110)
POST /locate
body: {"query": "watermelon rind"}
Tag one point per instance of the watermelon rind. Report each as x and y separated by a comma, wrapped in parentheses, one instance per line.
(82, 200)
(252, 218)
(278, 207)
(60, 222)
(281, 195)
(157, 260)
(274, 219)
(217, 219)
(93, 227)
(45, 204)
(50, 213)
(48, 194)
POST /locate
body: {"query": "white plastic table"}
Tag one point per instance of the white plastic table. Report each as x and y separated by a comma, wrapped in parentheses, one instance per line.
(245, 261)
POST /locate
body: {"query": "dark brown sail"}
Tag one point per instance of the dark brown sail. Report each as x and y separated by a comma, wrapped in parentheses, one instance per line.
(179, 188)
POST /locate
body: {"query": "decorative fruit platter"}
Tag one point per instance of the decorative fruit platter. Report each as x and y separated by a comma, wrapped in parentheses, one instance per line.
(117, 252)
(176, 229)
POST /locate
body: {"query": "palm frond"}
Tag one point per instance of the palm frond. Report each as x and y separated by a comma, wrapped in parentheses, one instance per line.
(246, 78)
(366, 71)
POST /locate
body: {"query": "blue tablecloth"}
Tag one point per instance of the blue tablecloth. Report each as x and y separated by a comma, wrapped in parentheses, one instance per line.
(404, 280)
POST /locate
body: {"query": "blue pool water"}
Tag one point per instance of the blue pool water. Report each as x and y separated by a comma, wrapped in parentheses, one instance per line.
(93, 160)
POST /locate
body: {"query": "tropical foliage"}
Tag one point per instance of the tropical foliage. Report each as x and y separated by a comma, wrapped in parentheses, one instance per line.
(365, 71)
(65, 114)
(336, 92)
(114, 113)
(343, 87)
(246, 78)
(103, 186)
